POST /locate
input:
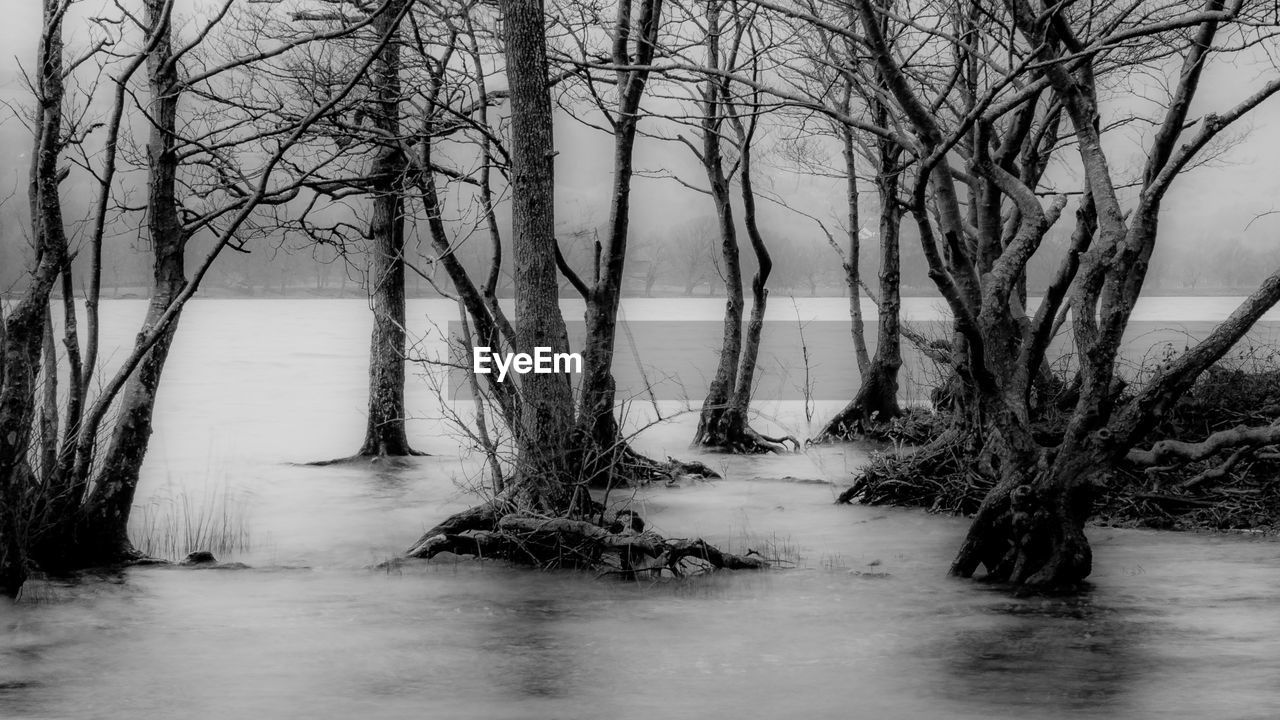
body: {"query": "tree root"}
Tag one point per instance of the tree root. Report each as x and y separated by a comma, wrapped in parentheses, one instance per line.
(748, 441)
(679, 468)
(913, 426)
(940, 476)
(1165, 451)
(624, 548)
(636, 469)
(1030, 535)
(1245, 445)
(387, 461)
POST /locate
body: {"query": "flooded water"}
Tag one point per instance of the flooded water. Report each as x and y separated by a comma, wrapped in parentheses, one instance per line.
(864, 625)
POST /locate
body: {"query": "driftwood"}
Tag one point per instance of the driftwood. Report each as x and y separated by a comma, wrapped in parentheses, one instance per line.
(567, 542)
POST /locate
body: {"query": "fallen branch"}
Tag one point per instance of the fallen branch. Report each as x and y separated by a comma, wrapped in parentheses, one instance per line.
(1219, 472)
(1164, 451)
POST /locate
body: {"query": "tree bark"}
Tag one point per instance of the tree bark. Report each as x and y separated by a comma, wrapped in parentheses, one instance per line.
(596, 420)
(853, 258)
(385, 425)
(25, 325)
(713, 421)
(877, 398)
(102, 534)
(723, 422)
(544, 441)
(1030, 527)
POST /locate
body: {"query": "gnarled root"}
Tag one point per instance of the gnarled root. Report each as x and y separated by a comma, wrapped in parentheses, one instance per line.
(728, 430)
(566, 542)
(1028, 536)
(940, 476)
(676, 469)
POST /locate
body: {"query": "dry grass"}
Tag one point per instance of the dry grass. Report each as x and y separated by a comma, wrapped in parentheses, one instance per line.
(180, 522)
(1243, 389)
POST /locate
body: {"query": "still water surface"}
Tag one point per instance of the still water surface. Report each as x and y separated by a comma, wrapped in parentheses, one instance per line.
(1176, 626)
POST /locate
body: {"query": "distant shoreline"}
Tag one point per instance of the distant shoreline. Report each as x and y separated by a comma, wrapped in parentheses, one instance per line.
(300, 293)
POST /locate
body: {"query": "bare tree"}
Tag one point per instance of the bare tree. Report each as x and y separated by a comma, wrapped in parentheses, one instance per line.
(982, 142)
(877, 398)
(70, 508)
(730, 42)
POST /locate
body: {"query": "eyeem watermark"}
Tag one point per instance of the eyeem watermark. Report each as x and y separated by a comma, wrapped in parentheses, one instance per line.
(543, 361)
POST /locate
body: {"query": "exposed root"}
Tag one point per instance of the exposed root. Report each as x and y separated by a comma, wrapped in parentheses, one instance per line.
(774, 444)
(633, 469)
(622, 466)
(623, 548)
(725, 428)
(1166, 451)
(747, 441)
(913, 426)
(1031, 535)
(677, 468)
(941, 476)
(482, 518)
(387, 461)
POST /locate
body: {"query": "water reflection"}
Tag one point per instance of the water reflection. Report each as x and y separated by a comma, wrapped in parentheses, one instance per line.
(1073, 652)
(865, 626)
(533, 655)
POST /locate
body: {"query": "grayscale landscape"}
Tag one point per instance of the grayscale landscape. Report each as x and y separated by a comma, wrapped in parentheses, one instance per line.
(639, 359)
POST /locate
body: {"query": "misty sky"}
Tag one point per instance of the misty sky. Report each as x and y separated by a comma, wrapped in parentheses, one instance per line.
(1215, 201)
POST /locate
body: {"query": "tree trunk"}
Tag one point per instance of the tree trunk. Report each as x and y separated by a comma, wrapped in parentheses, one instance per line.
(598, 429)
(724, 419)
(25, 324)
(543, 463)
(853, 259)
(716, 407)
(737, 432)
(877, 398)
(385, 425)
(1030, 527)
(102, 534)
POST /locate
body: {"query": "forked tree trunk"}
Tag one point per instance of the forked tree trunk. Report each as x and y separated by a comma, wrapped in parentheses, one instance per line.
(716, 415)
(102, 533)
(604, 448)
(733, 430)
(1030, 527)
(385, 425)
(24, 329)
(877, 398)
(102, 536)
(723, 422)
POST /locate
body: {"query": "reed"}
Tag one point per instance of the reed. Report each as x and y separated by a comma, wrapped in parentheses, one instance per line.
(179, 521)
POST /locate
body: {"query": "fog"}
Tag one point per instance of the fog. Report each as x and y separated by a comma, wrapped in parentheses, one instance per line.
(1217, 234)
